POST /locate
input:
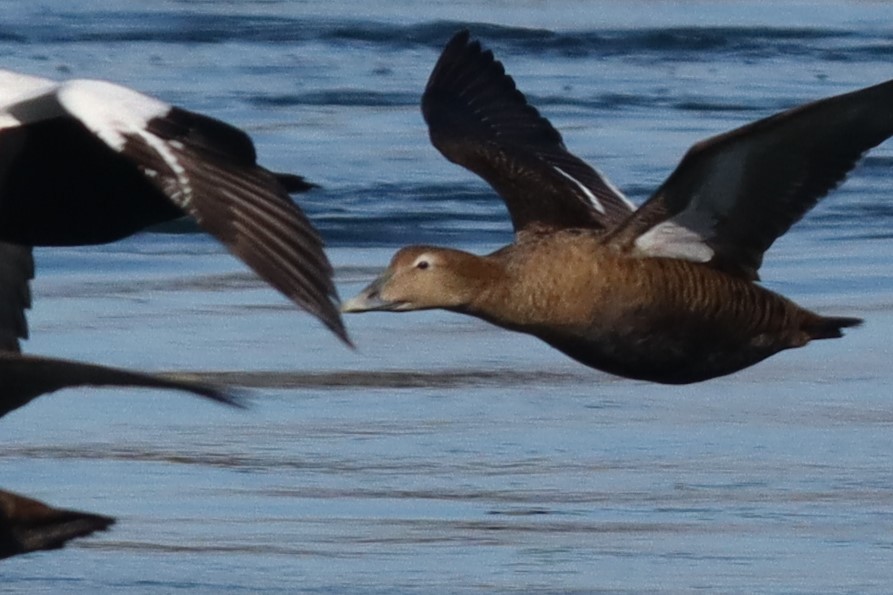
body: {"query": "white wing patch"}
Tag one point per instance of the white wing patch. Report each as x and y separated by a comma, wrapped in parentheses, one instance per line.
(16, 87)
(25, 99)
(108, 110)
(686, 235)
(593, 200)
(111, 112)
(675, 239)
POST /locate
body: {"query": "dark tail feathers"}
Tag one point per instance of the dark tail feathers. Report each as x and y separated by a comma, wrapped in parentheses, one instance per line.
(830, 327)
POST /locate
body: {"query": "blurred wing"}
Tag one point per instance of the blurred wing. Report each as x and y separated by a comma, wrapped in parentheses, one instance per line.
(16, 270)
(28, 525)
(478, 119)
(734, 194)
(25, 377)
(245, 207)
(205, 167)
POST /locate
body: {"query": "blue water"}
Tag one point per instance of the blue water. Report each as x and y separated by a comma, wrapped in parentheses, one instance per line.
(445, 455)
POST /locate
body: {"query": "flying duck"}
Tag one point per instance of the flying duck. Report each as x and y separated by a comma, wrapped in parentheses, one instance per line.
(88, 161)
(666, 292)
(24, 377)
(27, 525)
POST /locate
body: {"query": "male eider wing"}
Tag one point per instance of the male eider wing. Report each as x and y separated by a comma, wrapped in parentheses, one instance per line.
(27, 525)
(732, 195)
(478, 119)
(205, 167)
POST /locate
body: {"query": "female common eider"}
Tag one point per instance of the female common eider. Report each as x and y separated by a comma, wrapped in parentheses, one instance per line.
(665, 292)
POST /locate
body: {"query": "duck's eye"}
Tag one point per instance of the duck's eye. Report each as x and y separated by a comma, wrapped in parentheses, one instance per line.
(422, 264)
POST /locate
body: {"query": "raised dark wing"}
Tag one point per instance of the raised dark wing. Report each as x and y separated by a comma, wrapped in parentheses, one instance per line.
(478, 119)
(734, 194)
(27, 525)
(16, 271)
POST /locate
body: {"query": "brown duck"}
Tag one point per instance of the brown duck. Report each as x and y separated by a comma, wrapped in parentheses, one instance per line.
(27, 525)
(665, 292)
(23, 377)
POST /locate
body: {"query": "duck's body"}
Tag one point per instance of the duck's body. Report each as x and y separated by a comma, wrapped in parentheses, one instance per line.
(665, 292)
(658, 319)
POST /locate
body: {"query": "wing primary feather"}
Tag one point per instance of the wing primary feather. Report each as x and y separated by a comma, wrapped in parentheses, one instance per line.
(479, 119)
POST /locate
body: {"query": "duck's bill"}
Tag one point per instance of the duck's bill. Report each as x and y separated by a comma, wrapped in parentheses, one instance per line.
(370, 300)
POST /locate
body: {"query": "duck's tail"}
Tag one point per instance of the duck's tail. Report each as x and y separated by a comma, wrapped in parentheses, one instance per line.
(825, 327)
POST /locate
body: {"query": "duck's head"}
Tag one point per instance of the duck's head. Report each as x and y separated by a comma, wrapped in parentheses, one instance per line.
(421, 278)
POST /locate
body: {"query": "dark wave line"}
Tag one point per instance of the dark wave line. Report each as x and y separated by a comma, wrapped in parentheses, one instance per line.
(339, 97)
(198, 28)
(604, 102)
(388, 379)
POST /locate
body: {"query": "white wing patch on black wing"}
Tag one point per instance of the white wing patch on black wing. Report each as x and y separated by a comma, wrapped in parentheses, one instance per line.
(110, 111)
(116, 114)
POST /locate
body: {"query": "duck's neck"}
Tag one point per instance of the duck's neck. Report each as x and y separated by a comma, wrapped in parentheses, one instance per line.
(545, 282)
(480, 283)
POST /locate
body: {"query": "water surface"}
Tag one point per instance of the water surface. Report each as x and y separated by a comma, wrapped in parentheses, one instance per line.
(445, 455)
